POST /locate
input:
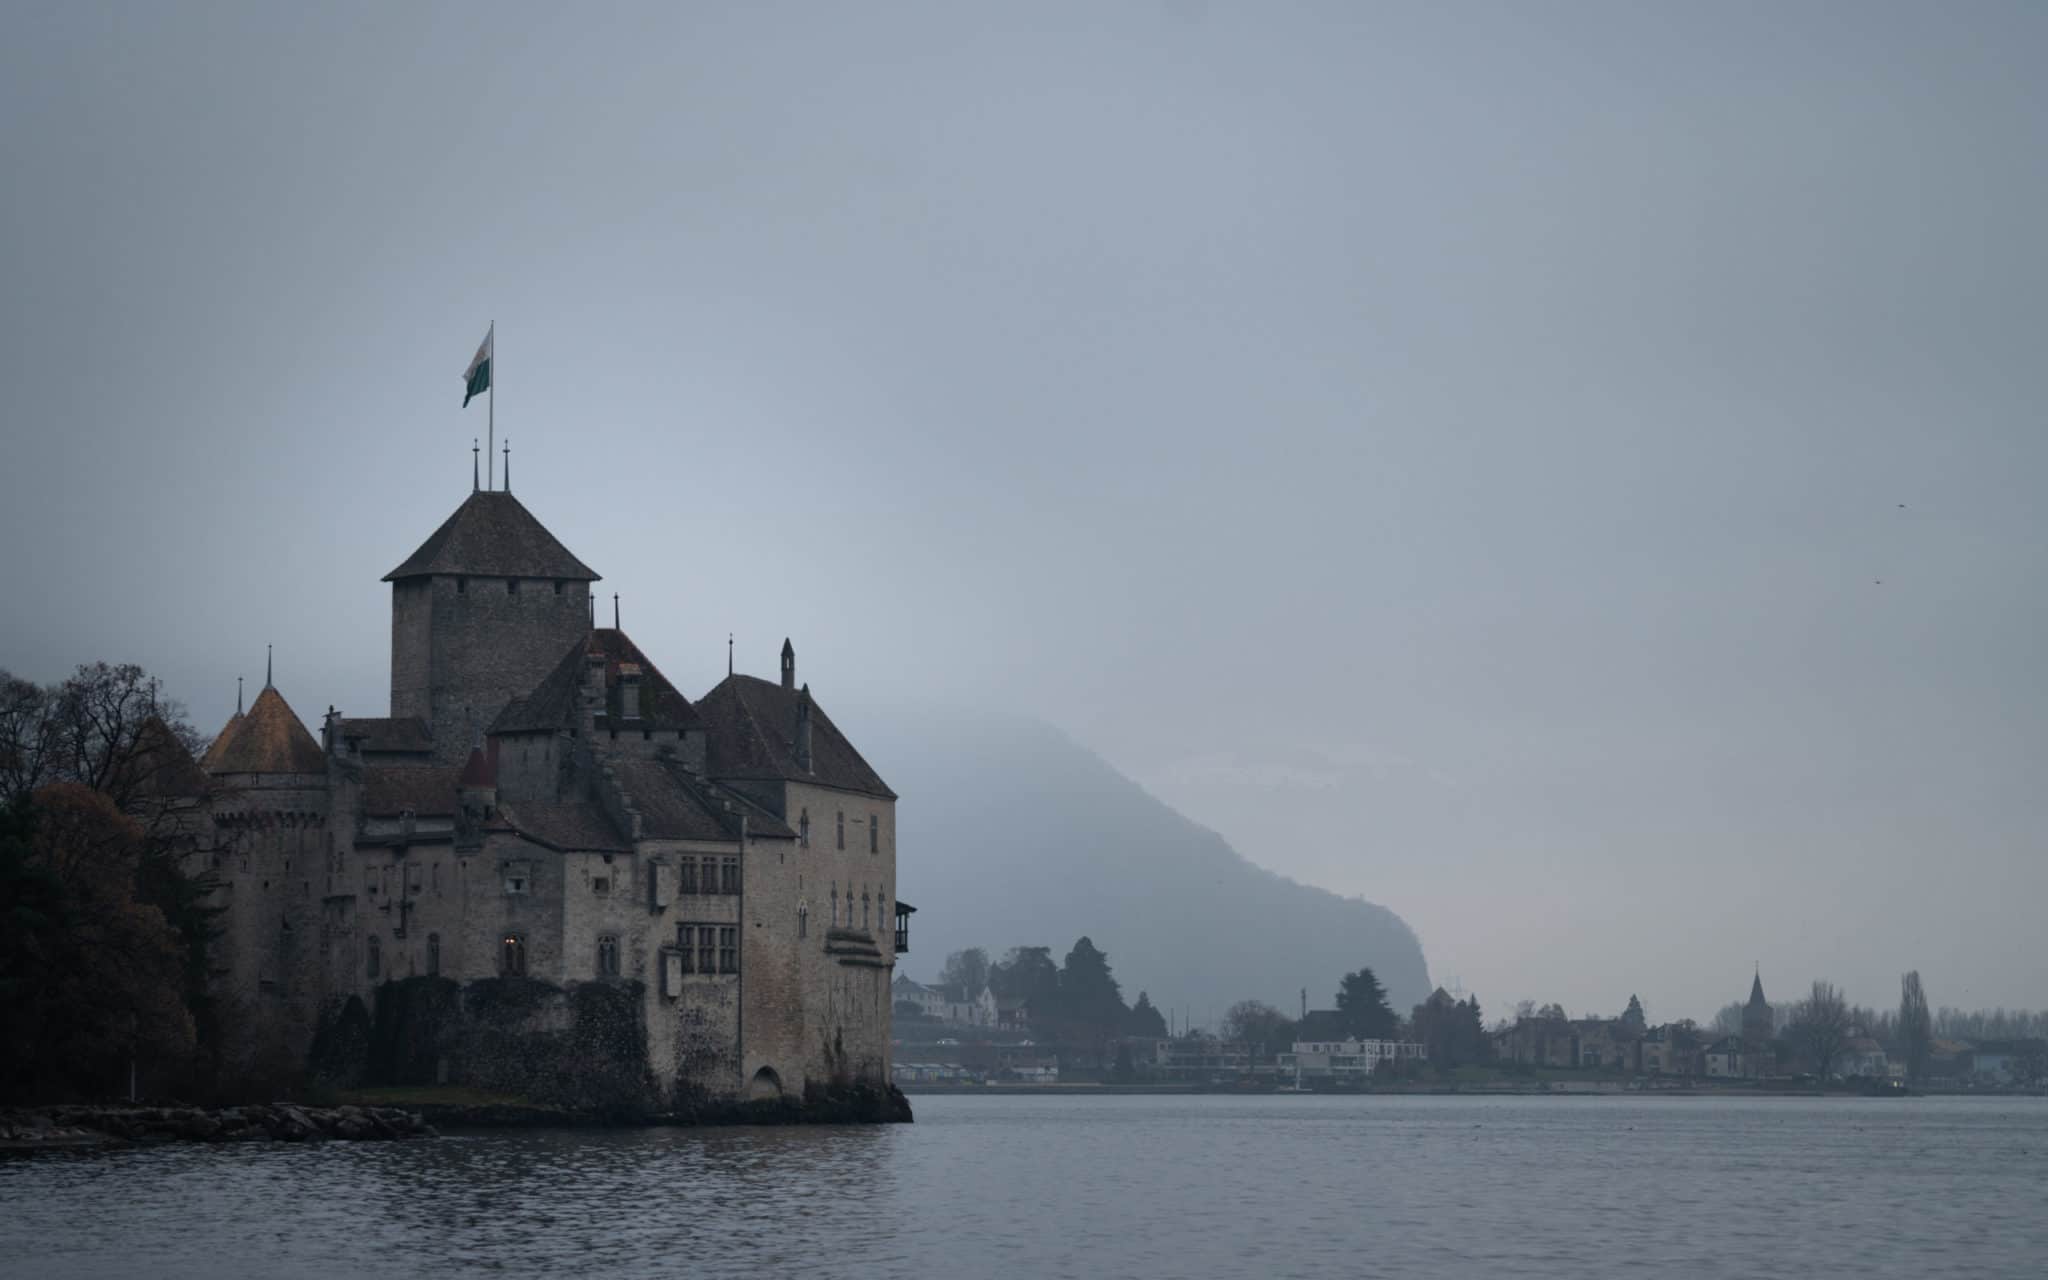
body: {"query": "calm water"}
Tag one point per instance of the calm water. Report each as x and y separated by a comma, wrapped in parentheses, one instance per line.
(1096, 1187)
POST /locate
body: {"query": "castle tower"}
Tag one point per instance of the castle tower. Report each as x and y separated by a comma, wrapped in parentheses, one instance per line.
(479, 615)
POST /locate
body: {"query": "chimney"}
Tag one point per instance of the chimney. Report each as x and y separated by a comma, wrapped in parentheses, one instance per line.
(788, 664)
(330, 732)
(803, 718)
(479, 782)
(629, 691)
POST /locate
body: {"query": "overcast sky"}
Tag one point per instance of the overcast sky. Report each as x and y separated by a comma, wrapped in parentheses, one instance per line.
(1572, 474)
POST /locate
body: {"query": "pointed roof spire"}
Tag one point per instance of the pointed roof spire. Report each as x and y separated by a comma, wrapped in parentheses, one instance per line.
(615, 612)
(728, 653)
(1756, 987)
(475, 468)
(508, 464)
(266, 665)
(238, 696)
(788, 664)
(270, 739)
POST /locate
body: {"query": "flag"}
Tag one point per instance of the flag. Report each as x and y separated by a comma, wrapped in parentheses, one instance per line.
(477, 378)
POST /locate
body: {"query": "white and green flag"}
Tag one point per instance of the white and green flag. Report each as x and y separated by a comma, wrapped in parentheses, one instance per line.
(477, 378)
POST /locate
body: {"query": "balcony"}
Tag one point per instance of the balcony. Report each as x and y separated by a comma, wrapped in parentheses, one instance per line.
(903, 913)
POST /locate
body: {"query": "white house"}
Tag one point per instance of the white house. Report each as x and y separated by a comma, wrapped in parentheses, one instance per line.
(1347, 1060)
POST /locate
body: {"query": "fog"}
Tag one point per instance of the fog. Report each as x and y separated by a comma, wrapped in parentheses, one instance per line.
(1568, 473)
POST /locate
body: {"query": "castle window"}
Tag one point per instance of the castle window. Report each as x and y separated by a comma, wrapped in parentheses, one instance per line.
(684, 935)
(433, 955)
(607, 956)
(835, 904)
(729, 950)
(874, 834)
(518, 877)
(437, 877)
(803, 830)
(863, 910)
(729, 875)
(462, 586)
(601, 884)
(511, 586)
(842, 828)
(414, 877)
(558, 586)
(707, 949)
(689, 866)
(803, 919)
(512, 956)
(373, 960)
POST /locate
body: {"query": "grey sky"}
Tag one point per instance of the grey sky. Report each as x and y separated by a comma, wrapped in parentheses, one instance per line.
(1452, 450)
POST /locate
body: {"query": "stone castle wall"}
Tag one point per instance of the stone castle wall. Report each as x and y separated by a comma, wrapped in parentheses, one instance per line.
(461, 648)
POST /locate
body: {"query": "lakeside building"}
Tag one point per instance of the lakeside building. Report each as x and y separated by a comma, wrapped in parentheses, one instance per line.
(546, 868)
(1349, 1061)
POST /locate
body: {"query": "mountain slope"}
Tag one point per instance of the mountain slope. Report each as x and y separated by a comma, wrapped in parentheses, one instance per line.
(1010, 833)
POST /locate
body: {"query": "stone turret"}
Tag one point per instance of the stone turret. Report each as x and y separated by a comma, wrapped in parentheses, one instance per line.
(479, 614)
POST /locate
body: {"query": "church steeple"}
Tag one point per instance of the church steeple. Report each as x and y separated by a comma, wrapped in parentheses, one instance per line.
(788, 664)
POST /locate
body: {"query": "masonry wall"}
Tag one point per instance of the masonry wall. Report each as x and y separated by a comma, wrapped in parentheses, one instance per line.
(461, 648)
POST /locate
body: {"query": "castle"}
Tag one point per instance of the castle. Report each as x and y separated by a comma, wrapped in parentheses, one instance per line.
(547, 870)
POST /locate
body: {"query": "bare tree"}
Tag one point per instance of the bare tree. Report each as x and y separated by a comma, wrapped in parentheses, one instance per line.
(1259, 1025)
(1821, 1025)
(1916, 1026)
(1728, 1021)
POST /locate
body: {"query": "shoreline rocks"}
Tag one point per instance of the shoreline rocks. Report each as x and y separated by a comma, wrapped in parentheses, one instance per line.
(87, 1125)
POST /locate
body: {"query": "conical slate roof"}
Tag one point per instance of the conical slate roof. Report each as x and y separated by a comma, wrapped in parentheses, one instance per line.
(1756, 991)
(269, 739)
(492, 536)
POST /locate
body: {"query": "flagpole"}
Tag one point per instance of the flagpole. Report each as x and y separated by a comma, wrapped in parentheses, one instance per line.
(493, 428)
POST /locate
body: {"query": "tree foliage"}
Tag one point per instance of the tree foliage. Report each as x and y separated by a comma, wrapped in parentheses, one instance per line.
(1451, 1031)
(1027, 974)
(90, 977)
(1633, 1018)
(1260, 1025)
(968, 969)
(1362, 1006)
(1915, 1027)
(1820, 1027)
(1090, 1002)
(1145, 1020)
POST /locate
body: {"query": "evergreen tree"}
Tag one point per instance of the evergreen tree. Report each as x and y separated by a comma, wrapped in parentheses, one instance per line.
(1362, 1006)
(1145, 1020)
(1633, 1019)
(1916, 1027)
(1089, 998)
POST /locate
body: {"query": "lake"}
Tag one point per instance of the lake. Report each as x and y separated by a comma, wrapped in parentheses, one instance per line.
(1093, 1186)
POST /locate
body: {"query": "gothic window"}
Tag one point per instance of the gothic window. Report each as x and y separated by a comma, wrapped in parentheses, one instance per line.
(803, 830)
(373, 960)
(729, 950)
(433, 955)
(874, 834)
(607, 956)
(842, 828)
(512, 956)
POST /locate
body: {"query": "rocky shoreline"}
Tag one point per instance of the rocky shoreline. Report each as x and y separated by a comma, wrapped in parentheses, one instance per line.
(39, 1128)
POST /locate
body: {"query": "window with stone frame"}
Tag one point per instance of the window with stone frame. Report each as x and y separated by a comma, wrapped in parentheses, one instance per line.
(607, 956)
(835, 904)
(863, 910)
(803, 919)
(601, 884)
(512, 955)
(707, 948)
(729, 949)
(688, 875)
(686, 935)
(803, 830)
(874, 834)
(842, 828)
(728, 875)
(518, 877)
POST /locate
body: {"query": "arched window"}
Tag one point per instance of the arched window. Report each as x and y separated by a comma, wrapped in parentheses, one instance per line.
(608, 956)
(512, 956)
(373, 959)
(803, 919)
(842, 828)
(433, 955)
(874, 834)
(863, 909)
(803, 830)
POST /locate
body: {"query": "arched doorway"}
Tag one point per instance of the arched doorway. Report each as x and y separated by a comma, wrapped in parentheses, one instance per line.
(765, 1084)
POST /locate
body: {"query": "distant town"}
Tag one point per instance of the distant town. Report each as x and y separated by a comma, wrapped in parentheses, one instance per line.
(1026, 1020)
